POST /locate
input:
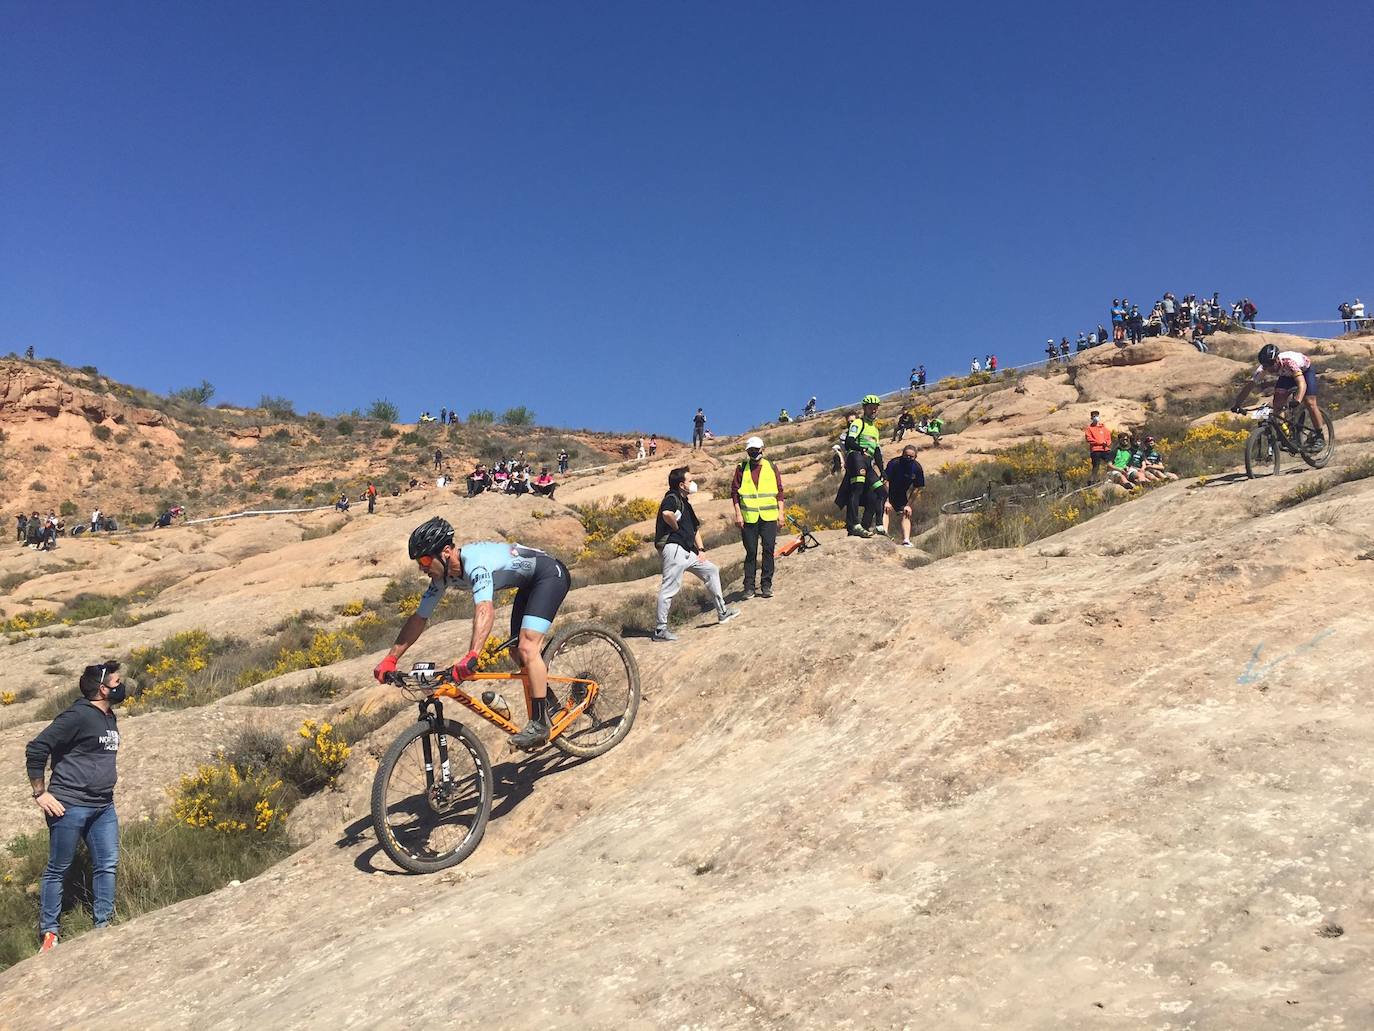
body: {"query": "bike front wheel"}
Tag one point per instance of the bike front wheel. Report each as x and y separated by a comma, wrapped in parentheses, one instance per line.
(1316, 457)
(431, 819)
(1261, 453)
(591, 652)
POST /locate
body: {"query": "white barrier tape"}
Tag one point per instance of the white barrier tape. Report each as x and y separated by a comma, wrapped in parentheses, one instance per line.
(254, 512)
(1311, 322)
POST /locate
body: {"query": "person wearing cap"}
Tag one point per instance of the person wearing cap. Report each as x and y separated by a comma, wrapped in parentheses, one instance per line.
(1099, 440)
(757, 496)
(78, 799)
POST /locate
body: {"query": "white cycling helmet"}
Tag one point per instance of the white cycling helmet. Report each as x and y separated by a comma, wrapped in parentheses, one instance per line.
(753, 442)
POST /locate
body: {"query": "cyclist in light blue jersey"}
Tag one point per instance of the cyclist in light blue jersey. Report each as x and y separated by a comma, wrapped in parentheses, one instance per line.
(541, 583)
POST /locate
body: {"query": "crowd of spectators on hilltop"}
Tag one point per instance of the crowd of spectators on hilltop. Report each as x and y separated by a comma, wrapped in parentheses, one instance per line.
(514, 476)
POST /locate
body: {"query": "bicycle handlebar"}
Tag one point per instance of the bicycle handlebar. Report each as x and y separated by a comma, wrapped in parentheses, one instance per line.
(420, 677)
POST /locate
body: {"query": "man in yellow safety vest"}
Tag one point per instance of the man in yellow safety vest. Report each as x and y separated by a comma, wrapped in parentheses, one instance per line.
(759, 504)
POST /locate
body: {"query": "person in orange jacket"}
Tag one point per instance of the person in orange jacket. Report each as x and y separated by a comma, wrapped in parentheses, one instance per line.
(1099, 440)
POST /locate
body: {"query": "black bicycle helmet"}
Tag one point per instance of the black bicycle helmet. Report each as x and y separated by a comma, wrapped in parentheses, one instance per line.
(430, 537)
(1268, 354)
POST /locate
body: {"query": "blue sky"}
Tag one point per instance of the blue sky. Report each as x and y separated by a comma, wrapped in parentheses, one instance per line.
(614, 213)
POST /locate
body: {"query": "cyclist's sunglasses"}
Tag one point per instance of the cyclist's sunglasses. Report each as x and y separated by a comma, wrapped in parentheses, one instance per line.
(426, 562)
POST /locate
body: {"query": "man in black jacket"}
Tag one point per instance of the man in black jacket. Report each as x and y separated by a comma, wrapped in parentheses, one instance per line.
(78, 800)
(677, 536)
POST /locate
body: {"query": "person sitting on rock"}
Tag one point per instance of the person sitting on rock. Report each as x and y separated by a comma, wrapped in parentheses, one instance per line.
(543, 484)
(1123, 472)
(1151, 463)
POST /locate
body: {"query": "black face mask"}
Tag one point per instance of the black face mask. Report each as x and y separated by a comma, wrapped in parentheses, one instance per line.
(118, 693)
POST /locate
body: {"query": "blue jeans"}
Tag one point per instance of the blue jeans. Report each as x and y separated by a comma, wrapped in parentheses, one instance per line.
(99, 826)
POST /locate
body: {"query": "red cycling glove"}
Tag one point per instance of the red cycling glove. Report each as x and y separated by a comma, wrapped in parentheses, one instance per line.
(385, 667)
(465, 667)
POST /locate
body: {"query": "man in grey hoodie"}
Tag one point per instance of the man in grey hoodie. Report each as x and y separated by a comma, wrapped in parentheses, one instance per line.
(78, 799)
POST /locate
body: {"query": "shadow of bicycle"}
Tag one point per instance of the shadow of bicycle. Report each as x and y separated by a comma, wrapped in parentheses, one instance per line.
(513, 781)
(1231, 479)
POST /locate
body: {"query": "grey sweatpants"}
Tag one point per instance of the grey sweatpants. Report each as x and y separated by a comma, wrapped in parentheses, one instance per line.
(676, 561)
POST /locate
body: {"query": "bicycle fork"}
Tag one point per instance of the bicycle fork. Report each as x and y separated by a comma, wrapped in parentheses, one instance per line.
(432, 712)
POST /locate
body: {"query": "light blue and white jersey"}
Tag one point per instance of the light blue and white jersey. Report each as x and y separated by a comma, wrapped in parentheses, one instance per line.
(488, 567)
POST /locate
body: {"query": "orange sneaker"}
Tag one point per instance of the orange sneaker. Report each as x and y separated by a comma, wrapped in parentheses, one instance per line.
(49, 942)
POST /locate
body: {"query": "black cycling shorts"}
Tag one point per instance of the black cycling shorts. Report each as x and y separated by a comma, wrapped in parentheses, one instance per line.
(1290, 383)
(537, 602)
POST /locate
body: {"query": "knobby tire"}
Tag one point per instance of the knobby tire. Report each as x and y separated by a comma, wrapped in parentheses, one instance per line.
(1262, 453)
(399, 791)
(594, 652)
(1316, 459)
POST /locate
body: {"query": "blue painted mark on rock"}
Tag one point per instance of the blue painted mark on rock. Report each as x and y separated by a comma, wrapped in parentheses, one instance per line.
(1254, 672)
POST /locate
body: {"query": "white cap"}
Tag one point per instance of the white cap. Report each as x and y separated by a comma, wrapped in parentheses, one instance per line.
(754, 442)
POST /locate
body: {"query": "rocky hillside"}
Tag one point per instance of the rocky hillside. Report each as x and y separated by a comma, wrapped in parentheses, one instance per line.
(75, 436)
(1120, 775)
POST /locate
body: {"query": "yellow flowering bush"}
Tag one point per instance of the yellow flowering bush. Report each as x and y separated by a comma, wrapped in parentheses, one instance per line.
(490, 658)
(832, 521)
(1208, 448)
(219, 797)
(624, 543)
(169, 671)
(26, 621)
(353, 608)
(324, 648)
(603, 519)
(8, 697)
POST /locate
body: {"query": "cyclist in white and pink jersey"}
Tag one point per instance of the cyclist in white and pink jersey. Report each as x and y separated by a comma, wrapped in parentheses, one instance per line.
(1295, 373)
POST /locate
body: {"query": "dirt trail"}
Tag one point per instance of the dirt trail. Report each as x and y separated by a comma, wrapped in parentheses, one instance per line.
(1120, 778)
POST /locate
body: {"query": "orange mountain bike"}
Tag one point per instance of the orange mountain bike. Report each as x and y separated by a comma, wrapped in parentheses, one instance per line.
(433, 791)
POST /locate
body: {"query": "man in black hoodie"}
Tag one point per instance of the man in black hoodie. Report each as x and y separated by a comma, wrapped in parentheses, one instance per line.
(78, 800)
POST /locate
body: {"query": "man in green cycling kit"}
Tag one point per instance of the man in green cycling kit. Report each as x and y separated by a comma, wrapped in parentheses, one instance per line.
(863, 476)
(541, 582)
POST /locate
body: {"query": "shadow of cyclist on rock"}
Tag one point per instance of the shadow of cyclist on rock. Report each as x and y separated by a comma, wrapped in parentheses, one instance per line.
(513, 781)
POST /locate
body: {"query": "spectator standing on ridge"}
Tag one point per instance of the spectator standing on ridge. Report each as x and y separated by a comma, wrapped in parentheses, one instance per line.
(28, 352)
(1347, 316)
(1135, 324)
(1118, 321)
(915, 381)
(97, 520)
(1081, 344)
(905, 478)
(1063, 350)
(653, 445)
(677, 535)
(698, 430)
(1099, 440)
(443, 416)
(438, 459)
(1168, 308)
(992, 363)
(371, 495)
(23, 526)
(758, 500)
(563, 461)
(639, 447)
(1357, 316)
(78, 801)
(1051, 352)
(974, 367)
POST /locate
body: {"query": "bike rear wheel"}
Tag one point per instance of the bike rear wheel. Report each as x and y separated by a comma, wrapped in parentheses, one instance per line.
(1261, 453)
(1302, 429)
(423, 821)
(589, 651)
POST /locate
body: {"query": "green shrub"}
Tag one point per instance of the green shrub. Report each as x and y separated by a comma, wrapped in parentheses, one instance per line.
(518, 416)
(344, 428)
(411, 438)
(101, 432)
(388, 432)
(281, 407)
(281, 493)
(195, 395)
(482, 415)
(66, 509)
(383, 411)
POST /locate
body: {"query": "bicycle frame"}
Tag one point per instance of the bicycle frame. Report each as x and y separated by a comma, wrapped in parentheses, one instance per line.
(432, 711)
